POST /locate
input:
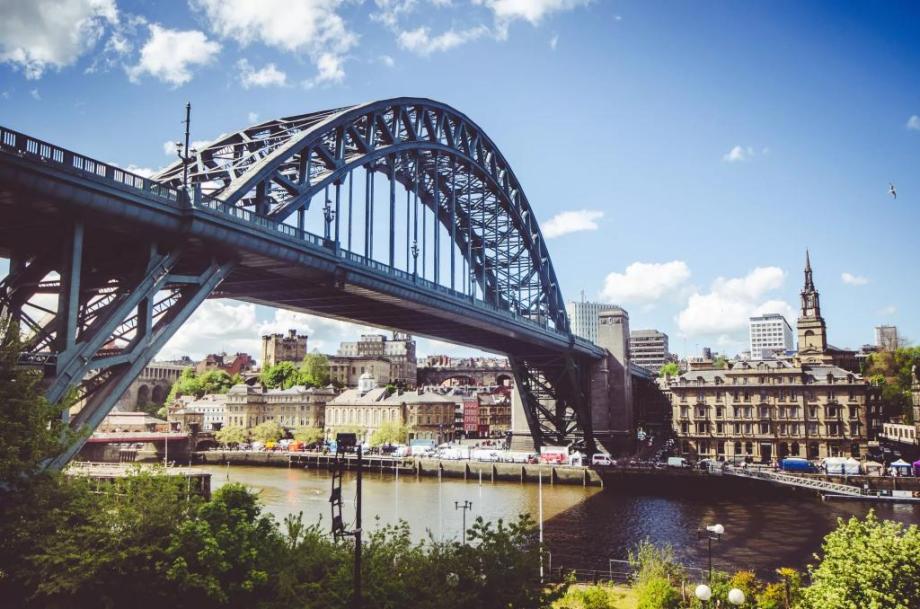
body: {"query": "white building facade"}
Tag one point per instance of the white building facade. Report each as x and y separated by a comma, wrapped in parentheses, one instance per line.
(770, 335)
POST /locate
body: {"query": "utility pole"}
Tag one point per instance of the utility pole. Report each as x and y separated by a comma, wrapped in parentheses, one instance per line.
(185, 158)
(466, 505)
(357, 576)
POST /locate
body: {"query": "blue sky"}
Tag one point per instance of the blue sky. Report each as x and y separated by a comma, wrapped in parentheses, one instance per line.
(685, 154)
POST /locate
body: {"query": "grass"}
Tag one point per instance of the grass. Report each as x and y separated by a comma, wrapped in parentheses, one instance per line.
(582, 596)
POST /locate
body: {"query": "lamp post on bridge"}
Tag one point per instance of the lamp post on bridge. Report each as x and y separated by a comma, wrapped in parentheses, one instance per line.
(328, 216)
(415, 252)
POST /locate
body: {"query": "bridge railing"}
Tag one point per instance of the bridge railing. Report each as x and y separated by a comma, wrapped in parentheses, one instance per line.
(24, 145)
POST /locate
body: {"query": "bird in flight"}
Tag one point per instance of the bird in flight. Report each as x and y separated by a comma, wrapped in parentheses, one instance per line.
(892, 191)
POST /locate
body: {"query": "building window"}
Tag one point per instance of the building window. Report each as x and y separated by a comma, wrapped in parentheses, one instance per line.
(749, 448)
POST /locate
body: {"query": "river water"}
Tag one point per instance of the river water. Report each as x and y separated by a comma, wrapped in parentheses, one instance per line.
(583, 527)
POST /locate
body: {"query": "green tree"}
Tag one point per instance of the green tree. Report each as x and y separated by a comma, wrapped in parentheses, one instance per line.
(268, 431)
(869, 564)
(308, 435)
(314, 371)
(891, 372)
(194, 384)
(282, 375)
(669, 369)
(232, 435)
(720, 362)
(223, 556)
(390, 432)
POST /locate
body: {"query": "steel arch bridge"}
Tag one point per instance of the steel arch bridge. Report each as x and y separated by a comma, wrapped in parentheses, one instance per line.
(399, 213)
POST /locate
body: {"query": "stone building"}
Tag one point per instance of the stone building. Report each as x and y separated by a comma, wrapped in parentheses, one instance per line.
(347, 370)
(211, 407)
(232, 365)
(494, 413)
(280, 348)
(295, 407)
(151, 386)
(766, 410)
(583, 317)
(427, 415)
(399, 350)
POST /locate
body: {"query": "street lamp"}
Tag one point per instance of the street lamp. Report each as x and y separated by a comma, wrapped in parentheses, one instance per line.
(703, 592)
(712, 533)
(328, 216)
(466, 505)
(736, 597)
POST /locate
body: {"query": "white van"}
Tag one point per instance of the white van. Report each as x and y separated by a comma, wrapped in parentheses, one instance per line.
(601, 459)
(677, 462)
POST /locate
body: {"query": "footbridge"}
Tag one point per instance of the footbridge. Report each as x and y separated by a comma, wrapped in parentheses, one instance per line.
(399, 213)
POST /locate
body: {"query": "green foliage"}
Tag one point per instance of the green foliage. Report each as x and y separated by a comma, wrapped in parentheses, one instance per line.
(308, 435)
(32, 430)
(268, 431)
(223, 556)
(870, 564)
(390, 432)
(314, 371)
(595, 597)
(669, 369)
(720, 362)
(232, 435)
(650, 561)
(282, 375)
(891, 371)
(656, 592)
(782, 594)
(191, 383)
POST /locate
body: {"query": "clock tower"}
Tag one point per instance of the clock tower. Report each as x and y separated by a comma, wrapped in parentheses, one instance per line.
(810, 325)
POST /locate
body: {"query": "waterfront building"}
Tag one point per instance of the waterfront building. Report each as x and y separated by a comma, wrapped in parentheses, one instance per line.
(649, 349)
(494, 413)
(298, 406)
(347, 370)
(427, 414)
(886, 337)
(583, 317)
(280, 348)
(130, 422)
(770, 335)
(212, 408)
(765, 410)
(399, 350)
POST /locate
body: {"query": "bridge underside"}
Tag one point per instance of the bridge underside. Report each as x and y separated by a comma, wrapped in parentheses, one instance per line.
(100, 281)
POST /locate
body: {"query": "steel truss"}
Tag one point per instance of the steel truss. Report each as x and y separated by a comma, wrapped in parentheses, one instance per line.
(93, 317)
(555, 390)
(457, 184)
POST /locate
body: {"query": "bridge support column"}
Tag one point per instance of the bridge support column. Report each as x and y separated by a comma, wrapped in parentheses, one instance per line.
(117, 304)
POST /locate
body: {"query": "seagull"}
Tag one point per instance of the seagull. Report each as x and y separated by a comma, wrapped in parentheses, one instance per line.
(892, 191)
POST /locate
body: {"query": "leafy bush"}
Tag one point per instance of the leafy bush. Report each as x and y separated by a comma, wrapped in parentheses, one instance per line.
(656, 592)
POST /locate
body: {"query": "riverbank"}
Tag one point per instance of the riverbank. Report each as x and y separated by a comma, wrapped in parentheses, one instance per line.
(492, 472)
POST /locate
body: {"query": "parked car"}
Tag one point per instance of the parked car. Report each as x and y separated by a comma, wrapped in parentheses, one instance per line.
(677, 462)
(602, 459)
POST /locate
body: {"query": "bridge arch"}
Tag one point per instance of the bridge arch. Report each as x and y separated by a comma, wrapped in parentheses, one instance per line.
(444, 162)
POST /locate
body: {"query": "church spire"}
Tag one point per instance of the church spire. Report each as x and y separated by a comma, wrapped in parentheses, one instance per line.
(809, 283)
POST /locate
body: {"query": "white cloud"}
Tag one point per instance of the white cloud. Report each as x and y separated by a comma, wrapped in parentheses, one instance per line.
(532, 11)
(740, 153)
(888, 311)
(571, 222)
(851, 279)
(144, 172)
(390, 11)
(913, 123)
(645, 282)
(421, 41)
(35, 95)
(268, 76)
(387, 61)
(170, 55)
(310, 27)
(252, 118)
(36, 35)
(725, 309)
(554, 41)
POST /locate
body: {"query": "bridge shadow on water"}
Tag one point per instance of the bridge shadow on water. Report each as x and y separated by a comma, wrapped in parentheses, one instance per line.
(765, 527)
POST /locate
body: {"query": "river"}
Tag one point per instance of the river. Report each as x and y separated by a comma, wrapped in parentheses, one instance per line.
(583, 527)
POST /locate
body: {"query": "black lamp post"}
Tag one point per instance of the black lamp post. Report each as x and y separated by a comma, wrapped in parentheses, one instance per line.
(711, 533)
